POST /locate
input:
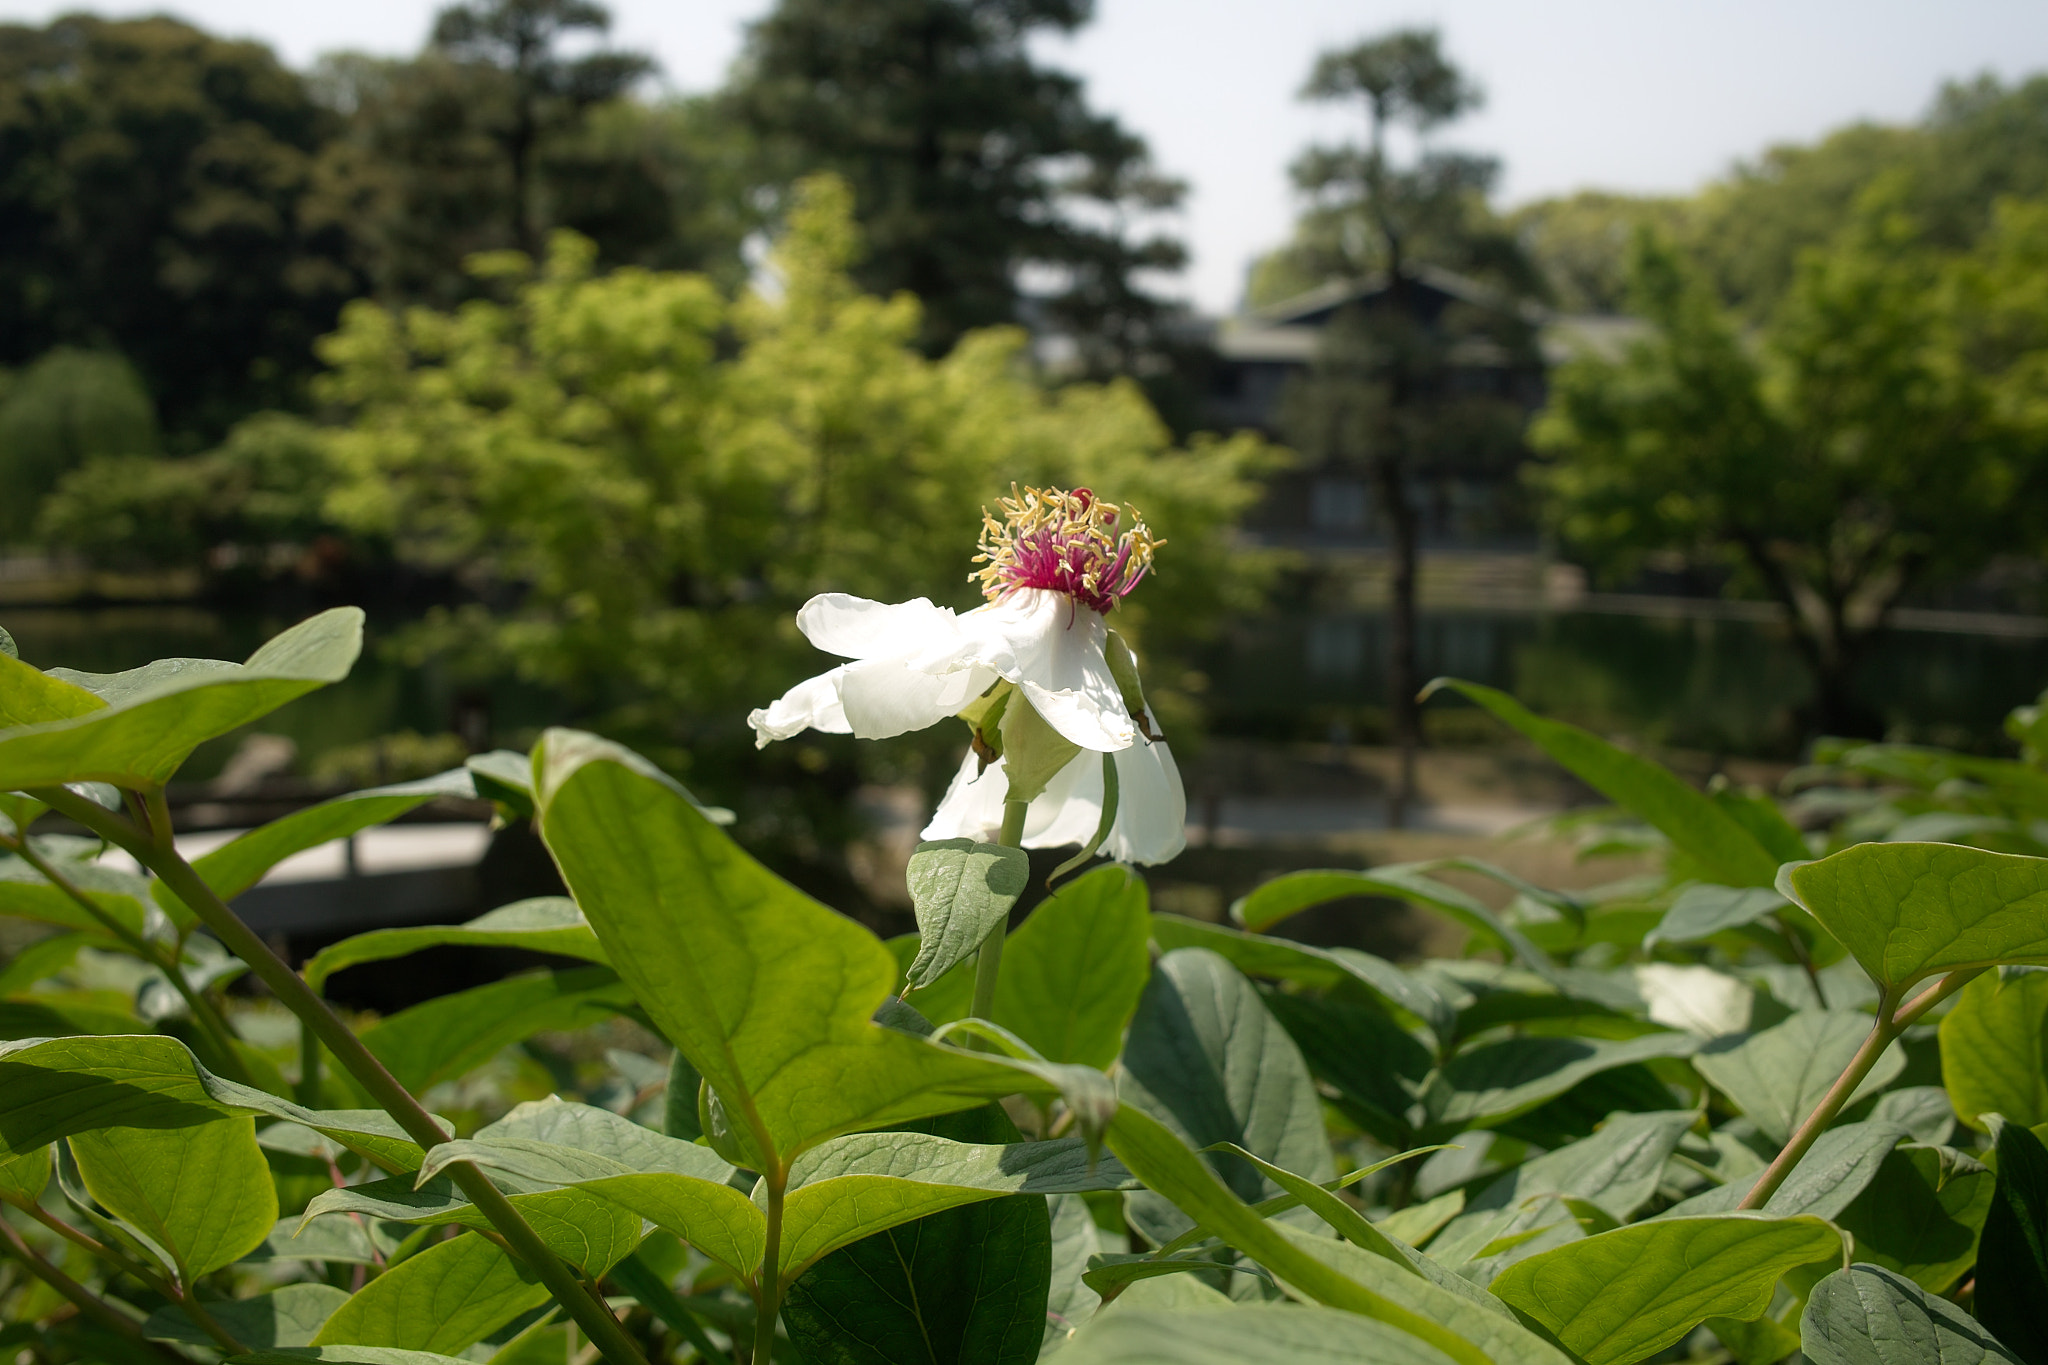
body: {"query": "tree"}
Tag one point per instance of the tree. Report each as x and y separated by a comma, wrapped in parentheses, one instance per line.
(662, 505)
(151, 186)
(968, 161)
(518, 39)
(69, 407)
(1858, 452)
(1384, 393)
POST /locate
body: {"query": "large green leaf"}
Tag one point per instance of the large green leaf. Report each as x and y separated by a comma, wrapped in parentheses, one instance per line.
(962, 1286)
(1166, 1166)
(1624, 1295)
(1702, 911)
(1494, 1082)
(1837, 1168)
(445, 1299)
(51, 1088)
(1921, 1214)
(240, 863)
(201, 1193)
(770, 994)
(1375, 1067)
(1431, 1292)
(1243, 1334)
(29, 696)
(1994, 1049)
(290, 1316)
(157, 714)
(861, 1184)
(1778, 1076)
(583, 1229)
(544, 924)
(1866, 1315)
(1714, 838)
(1072, 973)
(1308, 965)
(2012, 1254)
(1208, 1060)
(345, 1355)
(1294, 892)
(1069, 1300)
(1616, 1170)
(447, 1036)
(1907, 911)
(960, 890)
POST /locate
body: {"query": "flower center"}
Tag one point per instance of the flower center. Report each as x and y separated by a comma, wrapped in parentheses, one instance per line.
(1068, 542)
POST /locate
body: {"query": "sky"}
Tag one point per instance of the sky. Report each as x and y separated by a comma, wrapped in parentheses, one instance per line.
(1643, 96)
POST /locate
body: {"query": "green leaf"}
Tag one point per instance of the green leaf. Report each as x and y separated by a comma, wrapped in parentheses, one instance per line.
(960, 890)
(344, 1355)
(1866, 1315)
(240, 863)
(1168, 1168)
(1033, 752)
(1907, 911)
(504, 776)
(1837, 1168)
(157, 714)
(1072, 973)
(957, 1287)
(202, 1193)
(864, 1183)
(1703, 828)
(1624, 1295)
(51, 1014)
(582, 1228)
(1777, 1077)
(1617, 1170)
(1070, 1301)
(544, 924)
(706, 937)
(26, 1175)
(29, 696)
(1994, 1049)
(345, 1241)
(676, 1185)
(450, 1034)
(52, 1088)
(1243, 1334)
(1375, 1067)
(1921, 1214)
(445, 1299)
(1702, 911)
(290, 1316)
(1205, 1058)
(122, 896)
(2012, 1254)
(1308, 965)
(1494, 1082)
(1297, 891)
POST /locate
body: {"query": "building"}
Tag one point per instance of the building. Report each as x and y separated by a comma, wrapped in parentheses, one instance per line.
(1471, 498)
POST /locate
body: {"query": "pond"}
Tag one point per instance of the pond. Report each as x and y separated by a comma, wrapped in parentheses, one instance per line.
(1725, 685)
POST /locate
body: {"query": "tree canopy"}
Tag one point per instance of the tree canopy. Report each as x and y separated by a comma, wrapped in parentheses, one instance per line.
(970, 162)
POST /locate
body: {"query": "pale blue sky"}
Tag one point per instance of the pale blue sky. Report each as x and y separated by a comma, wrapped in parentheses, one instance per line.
(1642, 95)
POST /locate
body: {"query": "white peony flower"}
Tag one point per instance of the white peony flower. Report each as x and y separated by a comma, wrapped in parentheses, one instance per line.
(1053, 570)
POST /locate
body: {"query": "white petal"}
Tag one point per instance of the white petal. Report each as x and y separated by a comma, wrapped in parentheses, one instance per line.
(1152, 807)
(812, 704)
(1051, 647)
(1151, 816)
(856, 628)
(883, 698)
(973, 805)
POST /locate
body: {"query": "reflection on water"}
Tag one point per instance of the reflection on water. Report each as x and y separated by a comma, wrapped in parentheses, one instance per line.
(1732, 686)
(1726, 685)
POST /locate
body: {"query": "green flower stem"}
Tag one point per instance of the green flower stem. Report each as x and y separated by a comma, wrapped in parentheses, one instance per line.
(87, 1302)
(161, 857)
(768, 1303)
(203, 1013)
(988, 963)
(1889, 1026)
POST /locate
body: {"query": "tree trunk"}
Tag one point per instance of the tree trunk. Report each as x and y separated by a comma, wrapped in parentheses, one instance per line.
(1404, 720)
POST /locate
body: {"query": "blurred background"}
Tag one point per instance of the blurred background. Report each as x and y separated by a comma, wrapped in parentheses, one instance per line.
(1682, 369)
